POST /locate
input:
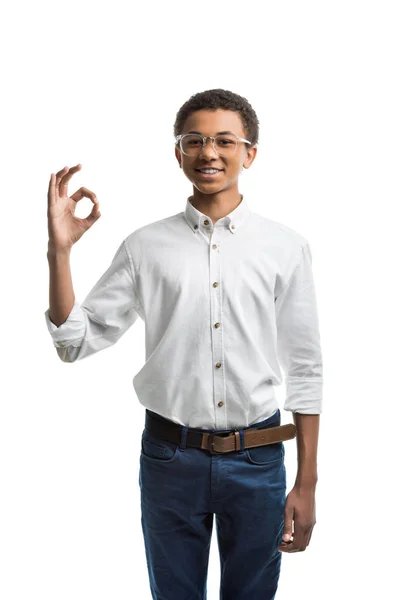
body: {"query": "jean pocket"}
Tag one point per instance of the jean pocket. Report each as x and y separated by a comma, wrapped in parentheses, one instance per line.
(266, 455)
(157, 449)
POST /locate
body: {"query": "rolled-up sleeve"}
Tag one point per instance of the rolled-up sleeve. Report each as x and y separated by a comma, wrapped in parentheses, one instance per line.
(298, 339)
(110, 308)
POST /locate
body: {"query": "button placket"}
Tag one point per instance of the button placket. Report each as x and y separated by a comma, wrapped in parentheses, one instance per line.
(206, 229)
(216, 332)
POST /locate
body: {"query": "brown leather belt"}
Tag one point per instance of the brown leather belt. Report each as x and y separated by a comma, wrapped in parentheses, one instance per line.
(218, 443)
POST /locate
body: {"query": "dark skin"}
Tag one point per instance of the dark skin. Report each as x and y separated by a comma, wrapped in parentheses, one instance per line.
(300, 502)
(221, 196)
(217, 198)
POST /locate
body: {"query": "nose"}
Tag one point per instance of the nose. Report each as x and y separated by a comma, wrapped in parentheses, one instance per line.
(208, 149)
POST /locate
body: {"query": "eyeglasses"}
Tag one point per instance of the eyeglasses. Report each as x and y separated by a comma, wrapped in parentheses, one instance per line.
(191, 144)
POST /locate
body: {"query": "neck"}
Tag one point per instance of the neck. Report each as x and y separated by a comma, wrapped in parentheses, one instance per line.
(217, 205)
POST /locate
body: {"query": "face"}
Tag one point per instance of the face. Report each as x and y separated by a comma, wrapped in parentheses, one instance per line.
(207, 123)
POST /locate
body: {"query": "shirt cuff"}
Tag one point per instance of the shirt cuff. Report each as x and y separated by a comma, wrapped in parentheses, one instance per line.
(304, 395)
(69, 333)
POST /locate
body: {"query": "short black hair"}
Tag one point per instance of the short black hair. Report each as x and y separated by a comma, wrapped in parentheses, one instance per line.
(224, 99)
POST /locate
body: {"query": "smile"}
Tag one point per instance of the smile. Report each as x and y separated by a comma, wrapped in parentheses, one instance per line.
(208, 173)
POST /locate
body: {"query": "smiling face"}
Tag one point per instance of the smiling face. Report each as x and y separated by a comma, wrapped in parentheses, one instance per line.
(213, 122)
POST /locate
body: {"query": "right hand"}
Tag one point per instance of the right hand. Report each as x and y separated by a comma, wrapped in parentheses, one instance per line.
(64, 227)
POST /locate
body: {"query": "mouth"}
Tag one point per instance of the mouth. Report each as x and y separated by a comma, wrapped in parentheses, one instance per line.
(208, 173)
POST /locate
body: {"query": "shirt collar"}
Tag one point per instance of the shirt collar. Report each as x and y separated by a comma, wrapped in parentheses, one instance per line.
(232, 221)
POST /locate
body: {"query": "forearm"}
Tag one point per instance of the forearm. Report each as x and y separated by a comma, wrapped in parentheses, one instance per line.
(61, 292)
(307, 446)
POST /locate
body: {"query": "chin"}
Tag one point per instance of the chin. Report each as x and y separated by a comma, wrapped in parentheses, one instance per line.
(208, 188)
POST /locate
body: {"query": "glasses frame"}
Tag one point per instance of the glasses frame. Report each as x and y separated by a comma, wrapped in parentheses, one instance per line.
(179, 138)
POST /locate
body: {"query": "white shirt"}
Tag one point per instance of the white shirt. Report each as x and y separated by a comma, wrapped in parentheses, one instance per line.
(225, 307)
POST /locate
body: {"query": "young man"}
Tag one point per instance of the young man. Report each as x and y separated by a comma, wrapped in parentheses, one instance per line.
(227, 297)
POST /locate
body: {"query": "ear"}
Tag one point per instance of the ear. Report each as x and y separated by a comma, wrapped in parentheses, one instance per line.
(178, 156)
(250, 156)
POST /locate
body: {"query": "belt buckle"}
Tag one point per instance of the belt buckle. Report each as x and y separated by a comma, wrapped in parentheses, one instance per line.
(210, 444)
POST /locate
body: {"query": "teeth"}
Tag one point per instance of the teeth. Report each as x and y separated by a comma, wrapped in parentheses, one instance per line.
(209, 170)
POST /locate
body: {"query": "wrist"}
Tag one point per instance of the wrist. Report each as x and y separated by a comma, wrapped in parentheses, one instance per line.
(306, 481)
(53, 251)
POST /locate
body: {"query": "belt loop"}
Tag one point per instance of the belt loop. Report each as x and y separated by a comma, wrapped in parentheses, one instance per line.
(241, 440)
(182, 444)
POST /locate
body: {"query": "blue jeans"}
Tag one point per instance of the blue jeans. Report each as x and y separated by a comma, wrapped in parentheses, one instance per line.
(182, 488)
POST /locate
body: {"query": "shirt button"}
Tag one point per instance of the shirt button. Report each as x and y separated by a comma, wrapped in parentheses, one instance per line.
(215, 284)
(214, 246)
(220, 403)
(217, 325)
(233, 227)
(196, 226)
(206, 222)
(218, 365)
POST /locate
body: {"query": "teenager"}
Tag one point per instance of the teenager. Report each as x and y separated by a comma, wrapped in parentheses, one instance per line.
(228, 300)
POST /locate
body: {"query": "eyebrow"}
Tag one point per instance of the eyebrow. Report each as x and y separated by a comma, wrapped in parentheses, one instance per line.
(218, 133)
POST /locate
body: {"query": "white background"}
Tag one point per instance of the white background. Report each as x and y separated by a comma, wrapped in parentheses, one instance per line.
(97, 83)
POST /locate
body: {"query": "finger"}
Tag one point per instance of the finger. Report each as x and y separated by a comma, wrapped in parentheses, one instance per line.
(83, 192)
(51, 193)
(299, 542)
(94, 215)
(301, 539)
(306, 532)
(308, 537)
(60, 173)
(285, 546)
(59, 176)
(289, 548)
(292, 546)
(288, 524)
(63, 184)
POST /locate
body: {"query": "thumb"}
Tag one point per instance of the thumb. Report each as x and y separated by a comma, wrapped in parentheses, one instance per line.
(287, 528)
(95, 213)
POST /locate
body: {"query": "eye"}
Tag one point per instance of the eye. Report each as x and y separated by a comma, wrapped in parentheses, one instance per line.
(225, 141)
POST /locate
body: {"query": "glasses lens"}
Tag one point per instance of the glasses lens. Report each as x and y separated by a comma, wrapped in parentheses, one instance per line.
(225, 145)
(191, 144)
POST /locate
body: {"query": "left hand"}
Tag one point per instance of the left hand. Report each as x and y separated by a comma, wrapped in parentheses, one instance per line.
(300, 508)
